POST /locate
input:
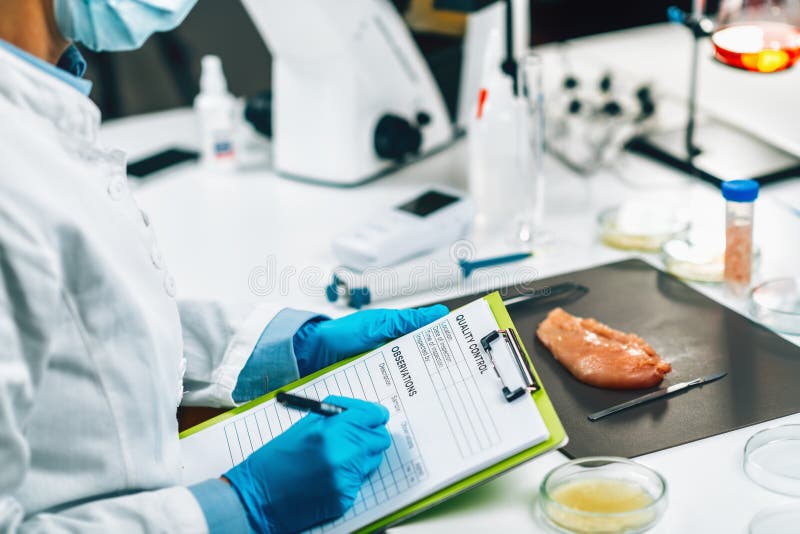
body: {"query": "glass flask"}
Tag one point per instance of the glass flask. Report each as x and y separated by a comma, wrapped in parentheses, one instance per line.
(758, 35)
(529, 195)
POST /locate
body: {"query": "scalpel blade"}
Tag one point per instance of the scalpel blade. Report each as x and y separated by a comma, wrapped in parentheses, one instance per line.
(660, 394)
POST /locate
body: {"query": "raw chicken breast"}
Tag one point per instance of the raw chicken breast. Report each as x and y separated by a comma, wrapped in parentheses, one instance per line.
(601, 356)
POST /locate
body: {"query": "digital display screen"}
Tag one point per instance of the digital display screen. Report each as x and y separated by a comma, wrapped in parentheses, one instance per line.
(427, 203)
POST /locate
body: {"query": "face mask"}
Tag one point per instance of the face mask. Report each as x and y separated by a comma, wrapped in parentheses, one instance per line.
(118, 24)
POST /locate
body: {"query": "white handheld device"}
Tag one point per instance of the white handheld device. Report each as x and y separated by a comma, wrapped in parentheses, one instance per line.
(434, 218)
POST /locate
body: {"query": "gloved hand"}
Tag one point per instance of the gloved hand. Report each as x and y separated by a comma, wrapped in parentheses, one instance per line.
(320, 343)
(312, 472)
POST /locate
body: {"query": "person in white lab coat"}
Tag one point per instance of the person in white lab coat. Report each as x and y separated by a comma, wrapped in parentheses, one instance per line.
(96, 353)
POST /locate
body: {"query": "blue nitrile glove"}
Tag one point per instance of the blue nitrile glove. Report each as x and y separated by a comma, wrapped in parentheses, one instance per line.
(312, 472)
(319, 343)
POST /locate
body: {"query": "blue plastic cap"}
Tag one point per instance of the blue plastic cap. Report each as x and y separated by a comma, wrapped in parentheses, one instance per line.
(740, 190)
(359, 297)
(331, 293)
(332, 289)
(675, 15)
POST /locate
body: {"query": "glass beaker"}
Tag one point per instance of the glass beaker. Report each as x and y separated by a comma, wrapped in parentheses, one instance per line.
(758, 35)
(529, 198)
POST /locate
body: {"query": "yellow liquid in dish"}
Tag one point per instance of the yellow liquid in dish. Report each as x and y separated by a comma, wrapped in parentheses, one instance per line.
(620, 506)
(602, 496)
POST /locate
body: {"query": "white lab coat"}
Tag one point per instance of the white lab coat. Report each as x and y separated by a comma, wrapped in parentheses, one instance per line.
(94, 348)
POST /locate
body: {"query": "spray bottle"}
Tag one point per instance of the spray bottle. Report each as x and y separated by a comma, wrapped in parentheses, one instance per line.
(492, 140)
(215, 109)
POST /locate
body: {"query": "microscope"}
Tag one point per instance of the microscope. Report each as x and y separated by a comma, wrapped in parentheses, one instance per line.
(353, 97)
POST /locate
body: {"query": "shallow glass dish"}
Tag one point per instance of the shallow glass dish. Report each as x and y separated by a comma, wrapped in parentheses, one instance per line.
(781, 519)
(641, 226)
(776, 304)
(602, 494)
(699, 263)
(772, 459)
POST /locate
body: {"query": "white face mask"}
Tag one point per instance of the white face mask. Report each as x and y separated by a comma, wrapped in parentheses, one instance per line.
(115, 25)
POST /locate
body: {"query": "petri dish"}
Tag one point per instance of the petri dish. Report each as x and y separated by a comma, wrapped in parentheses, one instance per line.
(776, 304)
(772, 459)
(781, 519)
(690, 261)
(641, 226)
(602, 495)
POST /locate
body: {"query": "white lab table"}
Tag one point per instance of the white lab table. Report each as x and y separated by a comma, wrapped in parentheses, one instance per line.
(252, 235)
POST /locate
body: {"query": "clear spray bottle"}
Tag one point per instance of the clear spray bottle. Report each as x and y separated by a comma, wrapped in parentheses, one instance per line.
(215, 109)
(493, 142)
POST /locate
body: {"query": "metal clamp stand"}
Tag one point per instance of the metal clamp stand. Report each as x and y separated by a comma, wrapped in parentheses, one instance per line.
(725, 152)
(701, 28)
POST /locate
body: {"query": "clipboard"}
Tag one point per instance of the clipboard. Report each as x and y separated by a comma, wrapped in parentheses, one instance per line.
(528, 383)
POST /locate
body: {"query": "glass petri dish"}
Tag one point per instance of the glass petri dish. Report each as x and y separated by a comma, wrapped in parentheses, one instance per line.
(776, 304)
(772, 459)
(641, 226)
(602, 494)
(690, 261)
(781, 519)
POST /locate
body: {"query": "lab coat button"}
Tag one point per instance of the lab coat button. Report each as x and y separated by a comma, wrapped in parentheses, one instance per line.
(145, 218)
(116, 187)
(157, 258)
(63, 122)
(169, 285)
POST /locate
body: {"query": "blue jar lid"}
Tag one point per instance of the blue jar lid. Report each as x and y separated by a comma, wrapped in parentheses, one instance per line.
(740, 190)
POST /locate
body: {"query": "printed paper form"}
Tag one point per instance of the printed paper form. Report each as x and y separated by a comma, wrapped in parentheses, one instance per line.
(448, 419)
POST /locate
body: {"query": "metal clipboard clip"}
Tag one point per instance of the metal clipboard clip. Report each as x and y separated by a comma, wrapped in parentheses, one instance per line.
(511, 342)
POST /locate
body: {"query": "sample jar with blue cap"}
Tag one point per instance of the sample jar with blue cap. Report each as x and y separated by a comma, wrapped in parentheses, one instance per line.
(740, 196)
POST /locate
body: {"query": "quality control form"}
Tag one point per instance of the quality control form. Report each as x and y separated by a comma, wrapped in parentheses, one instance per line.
(448, 416)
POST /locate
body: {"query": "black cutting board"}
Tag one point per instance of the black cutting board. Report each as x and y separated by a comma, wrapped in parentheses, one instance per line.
(694, 333)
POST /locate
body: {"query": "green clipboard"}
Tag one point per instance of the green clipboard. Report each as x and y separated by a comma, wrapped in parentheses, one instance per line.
(558, 437)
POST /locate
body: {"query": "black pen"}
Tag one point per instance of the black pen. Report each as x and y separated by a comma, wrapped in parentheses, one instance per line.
(309, 405)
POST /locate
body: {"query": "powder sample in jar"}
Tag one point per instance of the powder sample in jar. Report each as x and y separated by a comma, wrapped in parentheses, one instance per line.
(739, 254)
(740, 195)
